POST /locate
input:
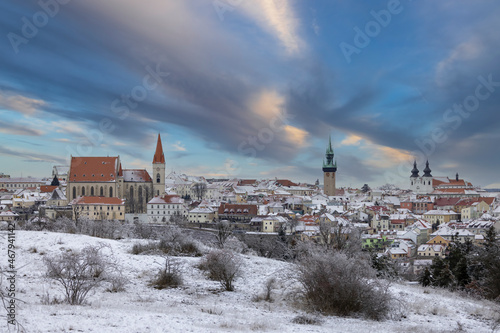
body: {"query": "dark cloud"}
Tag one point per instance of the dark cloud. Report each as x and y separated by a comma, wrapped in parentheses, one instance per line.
(33, 156)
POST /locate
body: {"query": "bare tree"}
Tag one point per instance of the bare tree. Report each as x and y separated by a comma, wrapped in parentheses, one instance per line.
(223, 266)
(223, 232)
(325, 233)
(199, 190)
(80, 272)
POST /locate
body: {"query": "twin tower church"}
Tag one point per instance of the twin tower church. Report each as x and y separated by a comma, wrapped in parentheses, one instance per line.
(105, 177)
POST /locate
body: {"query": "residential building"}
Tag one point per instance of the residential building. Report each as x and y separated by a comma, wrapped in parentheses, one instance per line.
(440, 216)
(99, 208)
(166, 208)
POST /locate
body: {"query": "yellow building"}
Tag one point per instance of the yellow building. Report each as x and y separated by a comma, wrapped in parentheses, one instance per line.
(99, 208)
(440, 216)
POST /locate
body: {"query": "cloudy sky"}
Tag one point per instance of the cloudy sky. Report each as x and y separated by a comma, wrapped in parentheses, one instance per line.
(253, 88)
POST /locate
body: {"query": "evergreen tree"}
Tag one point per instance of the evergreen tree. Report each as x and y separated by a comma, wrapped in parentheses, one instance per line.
(426, 278)
(461, 273)
(445, 279)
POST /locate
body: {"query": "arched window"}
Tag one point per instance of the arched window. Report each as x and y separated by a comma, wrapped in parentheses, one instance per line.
(92, 191)
(158, 178)
(101, 192)
(74, 192)
(83, 191)
(131, 193)
(110, 191)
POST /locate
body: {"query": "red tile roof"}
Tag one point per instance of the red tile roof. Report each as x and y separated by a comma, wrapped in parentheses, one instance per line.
(234, 208)
(446, 201)
(247, 182)
(93, 169)
(47, 188)
(159, 156)
(98, 201)
(285, 182)
(470, 201)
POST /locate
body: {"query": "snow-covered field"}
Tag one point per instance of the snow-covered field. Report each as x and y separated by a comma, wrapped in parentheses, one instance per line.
(200, 306)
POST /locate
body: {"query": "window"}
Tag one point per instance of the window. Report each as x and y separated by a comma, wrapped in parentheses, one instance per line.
(158, 178)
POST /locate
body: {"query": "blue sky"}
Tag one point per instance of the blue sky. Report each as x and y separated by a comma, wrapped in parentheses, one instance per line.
(252, 89)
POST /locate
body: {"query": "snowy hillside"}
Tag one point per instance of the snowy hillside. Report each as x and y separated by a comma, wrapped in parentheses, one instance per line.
(200, 306)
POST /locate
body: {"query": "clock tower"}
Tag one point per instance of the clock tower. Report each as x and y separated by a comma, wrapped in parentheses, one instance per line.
(158, 170)
(329, 170)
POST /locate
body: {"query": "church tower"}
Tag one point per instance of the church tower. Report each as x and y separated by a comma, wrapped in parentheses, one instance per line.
(158, 174)
(329, 169)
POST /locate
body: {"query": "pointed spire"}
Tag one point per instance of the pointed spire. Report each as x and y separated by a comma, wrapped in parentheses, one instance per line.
(329, 149)
(329, 155)
(159, 156)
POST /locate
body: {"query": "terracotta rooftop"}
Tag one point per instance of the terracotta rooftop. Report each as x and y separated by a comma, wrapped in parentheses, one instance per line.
(47, 188)
(285, 182)
(93, 169)
(247, 182)
(446, 201)
(238, 209)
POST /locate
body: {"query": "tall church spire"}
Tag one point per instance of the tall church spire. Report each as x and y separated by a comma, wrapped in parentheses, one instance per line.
(159, 169)
(159, 156)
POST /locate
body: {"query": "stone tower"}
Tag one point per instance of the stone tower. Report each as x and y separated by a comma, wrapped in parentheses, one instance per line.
(329, 169)
(158, 174)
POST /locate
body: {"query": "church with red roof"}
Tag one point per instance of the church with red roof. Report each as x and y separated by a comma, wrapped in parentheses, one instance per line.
(105, 177)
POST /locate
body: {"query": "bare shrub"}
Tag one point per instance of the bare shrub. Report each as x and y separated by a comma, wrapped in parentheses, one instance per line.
(139, 248)
(142, 230)
(269, 286)
(223, 266)
(80, 272)
(212, 311)
(169, 276)
(334, 283)
(268, 246)
(46, 300)
(172, 242)
(118, 283)
(306, 320)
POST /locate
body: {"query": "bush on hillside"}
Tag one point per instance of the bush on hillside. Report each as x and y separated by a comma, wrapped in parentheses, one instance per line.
(334, 283)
